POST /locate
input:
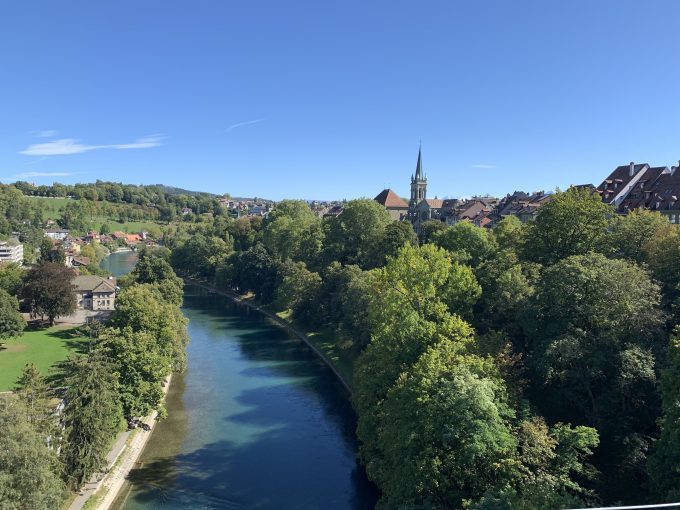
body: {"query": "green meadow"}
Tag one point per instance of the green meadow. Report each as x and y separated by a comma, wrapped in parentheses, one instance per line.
(45, 348)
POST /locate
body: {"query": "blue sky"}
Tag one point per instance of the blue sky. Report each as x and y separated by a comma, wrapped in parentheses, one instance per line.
(315, 99)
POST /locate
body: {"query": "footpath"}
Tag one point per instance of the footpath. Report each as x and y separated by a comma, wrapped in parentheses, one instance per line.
(121, 459)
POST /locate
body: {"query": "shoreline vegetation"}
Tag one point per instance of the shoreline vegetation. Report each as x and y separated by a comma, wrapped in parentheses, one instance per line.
(106, 490)
(79, 420)
(463, 340)
(297, 331)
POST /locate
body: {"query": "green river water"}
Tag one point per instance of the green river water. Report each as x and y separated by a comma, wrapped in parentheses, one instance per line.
(257, 421)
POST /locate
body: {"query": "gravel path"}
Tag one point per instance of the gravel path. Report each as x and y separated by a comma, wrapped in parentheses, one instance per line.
(114, 480)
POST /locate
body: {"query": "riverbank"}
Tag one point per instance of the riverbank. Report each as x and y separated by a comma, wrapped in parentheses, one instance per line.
(100, 494)
(297, 332)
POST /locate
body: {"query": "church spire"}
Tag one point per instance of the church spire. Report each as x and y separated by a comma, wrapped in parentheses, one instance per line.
(419, 165)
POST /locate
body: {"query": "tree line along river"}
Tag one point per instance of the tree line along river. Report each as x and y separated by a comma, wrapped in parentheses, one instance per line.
(257, 421)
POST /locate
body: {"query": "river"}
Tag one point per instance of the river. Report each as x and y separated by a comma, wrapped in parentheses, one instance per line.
(257, 421)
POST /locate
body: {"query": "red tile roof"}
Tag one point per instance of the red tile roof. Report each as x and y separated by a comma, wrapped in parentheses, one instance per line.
(391, 200)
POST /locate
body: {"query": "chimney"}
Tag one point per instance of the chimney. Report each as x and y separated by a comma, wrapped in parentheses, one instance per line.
(632, 168)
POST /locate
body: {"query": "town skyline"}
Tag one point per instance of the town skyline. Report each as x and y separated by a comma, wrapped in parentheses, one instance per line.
(294, 101)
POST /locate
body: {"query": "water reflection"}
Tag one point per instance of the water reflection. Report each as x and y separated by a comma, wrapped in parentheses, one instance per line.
(256, 422)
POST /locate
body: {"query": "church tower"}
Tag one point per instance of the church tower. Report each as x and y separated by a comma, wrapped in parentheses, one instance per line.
(418, 187)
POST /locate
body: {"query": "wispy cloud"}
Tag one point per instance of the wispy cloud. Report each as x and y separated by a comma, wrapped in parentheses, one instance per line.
(246, 123)
(47, 133)
(67, 146)
(484, 167)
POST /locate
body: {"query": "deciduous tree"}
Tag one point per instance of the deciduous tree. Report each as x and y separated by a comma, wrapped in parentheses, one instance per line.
(574, 222)
(49, 291)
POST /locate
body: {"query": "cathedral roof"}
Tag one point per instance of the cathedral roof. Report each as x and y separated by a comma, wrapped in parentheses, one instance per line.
(419, 167)
(390, 199)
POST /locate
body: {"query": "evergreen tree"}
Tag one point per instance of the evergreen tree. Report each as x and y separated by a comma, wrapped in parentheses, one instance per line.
(37, 398)
(29, 468)
(92, 416)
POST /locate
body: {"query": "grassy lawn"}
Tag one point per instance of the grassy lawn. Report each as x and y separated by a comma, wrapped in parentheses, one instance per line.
(129, 227)
(43, 347)
(326, 342)
(53, 206)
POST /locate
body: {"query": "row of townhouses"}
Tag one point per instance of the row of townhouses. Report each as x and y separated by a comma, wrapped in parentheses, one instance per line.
(628, 187)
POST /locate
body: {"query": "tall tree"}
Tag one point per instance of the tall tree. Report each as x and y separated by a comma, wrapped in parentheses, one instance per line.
(12, 323)
(49, 291)
(36, 396)
(574, 222)
(299, 290)
(29, 468)
(141, 363)
(446, 435)
(11, 278)
(664, 463)
(662, 254)
(631, 233)
(593, 329)
(407, 314)
(470, 244)
(350, 237)
(394, 236)
(92, 415)
(293, 231)
(510, 234)
(140, 308)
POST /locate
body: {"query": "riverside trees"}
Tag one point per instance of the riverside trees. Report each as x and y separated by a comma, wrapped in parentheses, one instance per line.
(120, 376)
(514, 368)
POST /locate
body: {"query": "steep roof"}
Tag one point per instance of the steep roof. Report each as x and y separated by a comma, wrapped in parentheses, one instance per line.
(390, 200)
(419, 166)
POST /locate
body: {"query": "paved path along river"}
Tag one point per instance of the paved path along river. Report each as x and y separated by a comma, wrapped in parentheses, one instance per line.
(257, 421)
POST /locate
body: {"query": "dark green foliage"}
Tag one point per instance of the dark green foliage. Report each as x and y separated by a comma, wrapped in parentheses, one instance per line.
(299, 290)
(200, 256)
(92, 416)
(429, 229)
(29, 468)
(664, 463)
(507, 284)
(510, 234)
(142, 309)
(48, 290)
(446, 413)
(574, 222)
(12, 322)
(394, 236)
(253, 270)
(351, 236)
(158, 273)
(141, 362)
(34, 393)
(662, 254)
(593, 329)
(445, 433)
